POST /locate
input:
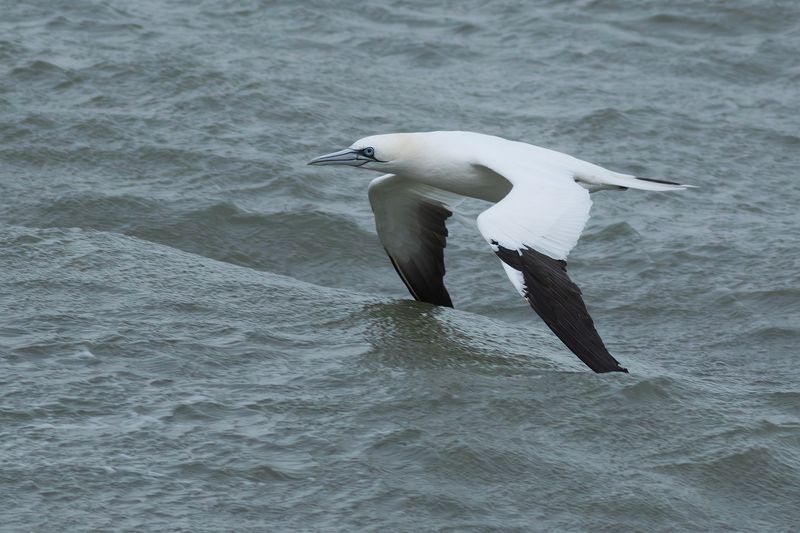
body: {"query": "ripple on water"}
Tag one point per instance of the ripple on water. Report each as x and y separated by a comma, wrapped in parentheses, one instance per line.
(174, 353)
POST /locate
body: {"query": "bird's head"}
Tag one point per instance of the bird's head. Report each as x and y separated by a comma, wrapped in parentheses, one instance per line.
(382, 153)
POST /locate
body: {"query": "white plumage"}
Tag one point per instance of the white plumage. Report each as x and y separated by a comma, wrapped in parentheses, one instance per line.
(541, 206)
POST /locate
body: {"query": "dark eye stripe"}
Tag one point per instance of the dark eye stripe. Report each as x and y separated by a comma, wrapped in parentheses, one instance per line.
(369, 152)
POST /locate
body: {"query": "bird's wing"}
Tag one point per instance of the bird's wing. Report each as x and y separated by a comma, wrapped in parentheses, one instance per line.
(532, 230)
(410, 220)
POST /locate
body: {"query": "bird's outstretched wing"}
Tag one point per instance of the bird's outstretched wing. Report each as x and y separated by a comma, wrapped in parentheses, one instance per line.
(532, 229)
(410, 219)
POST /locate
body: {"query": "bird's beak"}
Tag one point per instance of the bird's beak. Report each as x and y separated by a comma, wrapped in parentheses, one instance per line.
(348, 156)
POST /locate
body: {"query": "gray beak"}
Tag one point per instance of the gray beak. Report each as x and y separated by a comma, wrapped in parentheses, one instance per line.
(348, 156)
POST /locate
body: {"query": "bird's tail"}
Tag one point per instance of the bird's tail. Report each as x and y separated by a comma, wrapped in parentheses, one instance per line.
(645, 184)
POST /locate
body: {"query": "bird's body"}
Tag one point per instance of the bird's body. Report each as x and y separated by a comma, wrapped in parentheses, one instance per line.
(541, 202)
(450, 167)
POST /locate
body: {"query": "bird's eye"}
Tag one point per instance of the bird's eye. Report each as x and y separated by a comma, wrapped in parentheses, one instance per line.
(368, 151)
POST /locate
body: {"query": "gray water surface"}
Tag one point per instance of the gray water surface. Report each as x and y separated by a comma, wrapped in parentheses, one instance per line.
(200, 333)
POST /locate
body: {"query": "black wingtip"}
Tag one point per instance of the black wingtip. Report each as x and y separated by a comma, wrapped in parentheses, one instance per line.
(602, 365)
(617, 369)
(423, 288)
(557, 300)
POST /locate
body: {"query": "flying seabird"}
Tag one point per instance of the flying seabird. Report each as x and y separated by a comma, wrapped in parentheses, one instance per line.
(541, 204)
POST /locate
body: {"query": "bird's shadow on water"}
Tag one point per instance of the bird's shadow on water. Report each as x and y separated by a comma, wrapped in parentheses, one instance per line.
(411, 334)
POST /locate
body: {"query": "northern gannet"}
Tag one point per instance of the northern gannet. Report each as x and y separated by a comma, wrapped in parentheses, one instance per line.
(541, 204)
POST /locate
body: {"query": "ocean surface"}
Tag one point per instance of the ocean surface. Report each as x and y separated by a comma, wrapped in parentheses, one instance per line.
(198, 332)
